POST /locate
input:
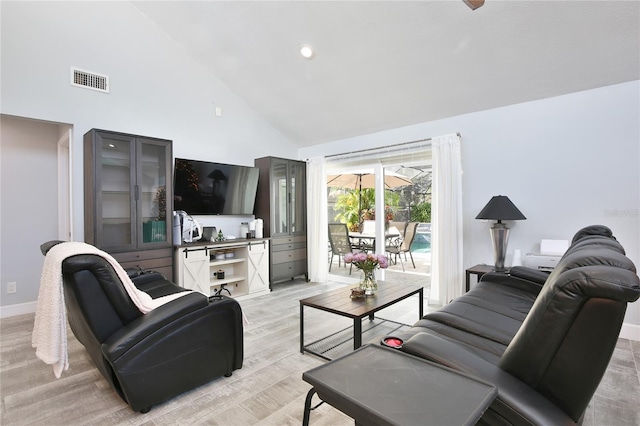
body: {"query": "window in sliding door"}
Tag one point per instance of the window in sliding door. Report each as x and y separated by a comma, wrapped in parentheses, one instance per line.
(396, 183)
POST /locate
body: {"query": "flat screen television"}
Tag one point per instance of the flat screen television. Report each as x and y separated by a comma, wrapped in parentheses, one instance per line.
(205, 188)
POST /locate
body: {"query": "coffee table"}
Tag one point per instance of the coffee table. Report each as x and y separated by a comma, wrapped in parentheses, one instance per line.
(339, 302)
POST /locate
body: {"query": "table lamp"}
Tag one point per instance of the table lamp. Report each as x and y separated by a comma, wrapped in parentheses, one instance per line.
(500, 208)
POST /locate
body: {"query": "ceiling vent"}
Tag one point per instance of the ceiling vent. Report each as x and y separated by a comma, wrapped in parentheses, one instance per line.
(89, 80)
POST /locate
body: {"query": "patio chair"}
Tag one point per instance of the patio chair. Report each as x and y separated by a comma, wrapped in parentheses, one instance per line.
(339, 242)
(401, 226)
(367, 244)
(369, 227)
(405, 245)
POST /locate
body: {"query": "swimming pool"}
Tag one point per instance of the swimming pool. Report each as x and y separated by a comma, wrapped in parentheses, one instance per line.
(422, 242)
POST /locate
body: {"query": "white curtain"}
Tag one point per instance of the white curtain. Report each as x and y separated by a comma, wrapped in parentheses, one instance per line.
(446, 219)
(317, 233)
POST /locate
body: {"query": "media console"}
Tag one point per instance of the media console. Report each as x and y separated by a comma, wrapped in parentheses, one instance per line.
(235, 267)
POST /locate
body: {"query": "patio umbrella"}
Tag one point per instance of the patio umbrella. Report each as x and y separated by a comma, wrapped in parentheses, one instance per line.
(366, 179)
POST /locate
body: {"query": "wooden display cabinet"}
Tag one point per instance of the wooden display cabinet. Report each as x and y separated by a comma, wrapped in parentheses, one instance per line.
(126, 209)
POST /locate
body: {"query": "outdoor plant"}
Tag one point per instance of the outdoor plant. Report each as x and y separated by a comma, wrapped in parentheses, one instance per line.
(421, 212)
(371, 214)
(351, 204)
(358, 205)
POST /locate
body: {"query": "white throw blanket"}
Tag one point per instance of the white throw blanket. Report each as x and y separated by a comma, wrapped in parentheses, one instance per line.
(50, 328)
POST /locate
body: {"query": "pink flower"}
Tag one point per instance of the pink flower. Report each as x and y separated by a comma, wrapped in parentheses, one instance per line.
(366, 261)
(382, 260)
(359, 257)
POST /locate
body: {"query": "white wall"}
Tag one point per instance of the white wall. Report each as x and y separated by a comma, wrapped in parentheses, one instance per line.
(29, 203)
(565, 162)
(156, 89)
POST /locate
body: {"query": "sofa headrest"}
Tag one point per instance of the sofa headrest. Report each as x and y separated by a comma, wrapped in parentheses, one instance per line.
(595, 261)
(594, 235)
(88, 277)
(596, 242)
(592, 251)
(45, 247)
(595, 254)
(593, 230)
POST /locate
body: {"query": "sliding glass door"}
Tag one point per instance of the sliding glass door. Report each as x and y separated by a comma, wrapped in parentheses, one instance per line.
(355, 195)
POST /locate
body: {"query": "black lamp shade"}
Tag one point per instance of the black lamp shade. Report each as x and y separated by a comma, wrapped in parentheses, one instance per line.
(499, 208)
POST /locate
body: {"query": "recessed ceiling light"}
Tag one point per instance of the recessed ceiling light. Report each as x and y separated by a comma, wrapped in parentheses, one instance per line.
(306, 51)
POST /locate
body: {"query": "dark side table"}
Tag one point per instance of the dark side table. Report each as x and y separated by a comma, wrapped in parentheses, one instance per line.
(376, 385)
(478, 271)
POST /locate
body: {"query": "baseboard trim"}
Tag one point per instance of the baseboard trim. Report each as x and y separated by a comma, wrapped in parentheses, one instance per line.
(630, 331)
(18, 309)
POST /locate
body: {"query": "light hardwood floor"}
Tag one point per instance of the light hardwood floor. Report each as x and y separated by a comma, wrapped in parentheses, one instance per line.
(268, 390)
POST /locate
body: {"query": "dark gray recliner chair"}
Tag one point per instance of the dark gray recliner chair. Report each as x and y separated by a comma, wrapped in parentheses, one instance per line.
(149, 358)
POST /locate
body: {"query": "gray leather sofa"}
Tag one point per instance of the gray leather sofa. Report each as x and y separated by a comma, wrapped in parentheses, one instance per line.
(544, 340)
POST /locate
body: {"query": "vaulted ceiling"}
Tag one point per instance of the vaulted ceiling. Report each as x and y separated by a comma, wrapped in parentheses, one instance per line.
(385, 64)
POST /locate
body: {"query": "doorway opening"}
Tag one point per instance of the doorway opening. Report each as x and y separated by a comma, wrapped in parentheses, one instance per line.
(402, 232)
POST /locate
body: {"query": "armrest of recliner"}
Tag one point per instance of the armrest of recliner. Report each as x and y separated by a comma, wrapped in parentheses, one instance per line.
(133, 272)
(142, 277)
(516, 401)
(159, 319)
(529, 274)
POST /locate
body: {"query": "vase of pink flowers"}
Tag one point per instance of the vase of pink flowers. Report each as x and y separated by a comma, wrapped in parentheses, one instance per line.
(367, 263)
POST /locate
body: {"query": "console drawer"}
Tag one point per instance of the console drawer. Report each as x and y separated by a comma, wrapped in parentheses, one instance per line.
(136, 256)
(288, 269)
(289, 246)
(289, 256)
(288, 240)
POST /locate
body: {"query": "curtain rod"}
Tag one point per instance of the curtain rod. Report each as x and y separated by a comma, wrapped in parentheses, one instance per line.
(382, 147)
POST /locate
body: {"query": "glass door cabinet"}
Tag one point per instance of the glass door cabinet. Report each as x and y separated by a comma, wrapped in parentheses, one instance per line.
(127, 180)
(281, 203)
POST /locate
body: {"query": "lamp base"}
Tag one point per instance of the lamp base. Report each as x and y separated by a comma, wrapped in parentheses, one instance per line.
(499, 238)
